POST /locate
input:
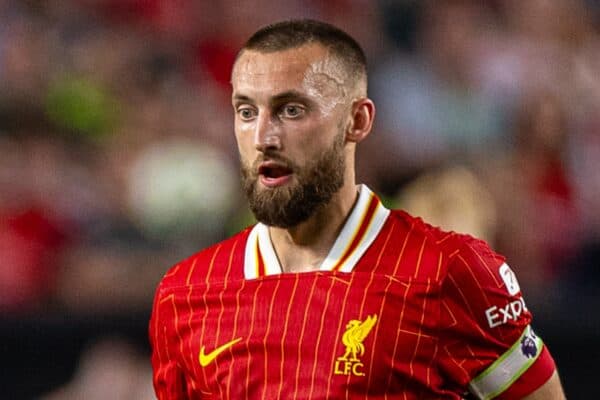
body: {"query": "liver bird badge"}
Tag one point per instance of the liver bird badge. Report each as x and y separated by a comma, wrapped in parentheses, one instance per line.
(356, 332)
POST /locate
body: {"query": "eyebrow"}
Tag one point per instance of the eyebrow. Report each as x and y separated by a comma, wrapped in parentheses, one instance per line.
(240, 97)
(287, 95)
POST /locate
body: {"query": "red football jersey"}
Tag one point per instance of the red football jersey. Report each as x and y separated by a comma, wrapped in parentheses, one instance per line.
(398, 310)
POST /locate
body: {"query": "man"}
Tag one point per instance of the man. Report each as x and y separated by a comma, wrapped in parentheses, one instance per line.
(331, 295)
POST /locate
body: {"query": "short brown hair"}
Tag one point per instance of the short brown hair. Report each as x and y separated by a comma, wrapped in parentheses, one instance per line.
(295, 33)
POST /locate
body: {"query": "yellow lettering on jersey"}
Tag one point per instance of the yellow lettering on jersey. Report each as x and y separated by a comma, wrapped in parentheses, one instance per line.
(355, 369)
(356, 332)
(347, 367)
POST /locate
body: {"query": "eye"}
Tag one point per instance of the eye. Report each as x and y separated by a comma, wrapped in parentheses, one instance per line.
(292, 111)
(246, 113)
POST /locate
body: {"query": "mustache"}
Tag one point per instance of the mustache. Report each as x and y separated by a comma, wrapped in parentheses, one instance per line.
(274, 157)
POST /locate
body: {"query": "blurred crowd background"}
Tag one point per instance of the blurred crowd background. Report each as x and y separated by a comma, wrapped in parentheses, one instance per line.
(117, 158)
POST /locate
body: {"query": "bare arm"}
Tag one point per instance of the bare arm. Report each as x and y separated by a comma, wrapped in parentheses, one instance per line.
(551, 390)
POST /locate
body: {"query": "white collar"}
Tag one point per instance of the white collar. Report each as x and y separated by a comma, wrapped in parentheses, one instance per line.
(360, 230)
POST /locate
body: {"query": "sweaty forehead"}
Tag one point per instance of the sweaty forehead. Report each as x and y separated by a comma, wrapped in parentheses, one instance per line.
(307, 68)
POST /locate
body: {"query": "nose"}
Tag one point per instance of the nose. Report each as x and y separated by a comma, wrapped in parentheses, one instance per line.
(267, 135)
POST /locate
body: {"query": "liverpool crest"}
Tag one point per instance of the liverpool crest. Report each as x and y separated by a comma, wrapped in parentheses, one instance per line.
(356, 332)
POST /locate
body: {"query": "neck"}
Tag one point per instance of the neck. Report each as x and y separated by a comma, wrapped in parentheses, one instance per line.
(304, 247)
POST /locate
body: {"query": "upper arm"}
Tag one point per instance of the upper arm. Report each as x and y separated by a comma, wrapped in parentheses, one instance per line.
(167, 377)
(487, 341)
(551, 390)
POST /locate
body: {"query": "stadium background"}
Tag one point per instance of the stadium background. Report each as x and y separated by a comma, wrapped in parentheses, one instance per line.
(117, 158)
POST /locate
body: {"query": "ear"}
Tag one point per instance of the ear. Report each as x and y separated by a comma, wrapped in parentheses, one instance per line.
(361, 120)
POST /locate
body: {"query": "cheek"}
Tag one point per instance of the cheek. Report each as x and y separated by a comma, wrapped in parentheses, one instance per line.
(243, 137)
(306, 149)
(246, 152)
(320, 134)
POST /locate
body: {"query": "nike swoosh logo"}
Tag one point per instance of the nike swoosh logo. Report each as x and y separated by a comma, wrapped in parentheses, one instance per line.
(206, 359)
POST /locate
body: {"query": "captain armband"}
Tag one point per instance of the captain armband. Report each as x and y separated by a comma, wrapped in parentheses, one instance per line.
(509, 367)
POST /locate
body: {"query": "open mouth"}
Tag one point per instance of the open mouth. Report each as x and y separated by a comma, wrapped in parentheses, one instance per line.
(273, 174)
(274, 171)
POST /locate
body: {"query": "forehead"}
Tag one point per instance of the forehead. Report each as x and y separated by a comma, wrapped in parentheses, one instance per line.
(302, 69)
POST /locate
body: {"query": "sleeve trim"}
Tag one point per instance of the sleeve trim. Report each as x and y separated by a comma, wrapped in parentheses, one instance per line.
(509, 367)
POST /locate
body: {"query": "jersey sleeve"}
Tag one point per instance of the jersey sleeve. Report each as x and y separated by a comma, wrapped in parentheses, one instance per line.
(167, 377)
(487, 342)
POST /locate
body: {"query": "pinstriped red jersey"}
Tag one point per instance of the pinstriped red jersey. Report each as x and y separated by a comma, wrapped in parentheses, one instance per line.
(397, 310)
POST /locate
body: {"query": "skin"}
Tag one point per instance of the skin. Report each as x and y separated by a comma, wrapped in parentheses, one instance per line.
(551, 390)
(294, 102)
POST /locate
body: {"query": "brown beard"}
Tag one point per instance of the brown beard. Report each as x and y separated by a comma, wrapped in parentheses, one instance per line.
(291, 204)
